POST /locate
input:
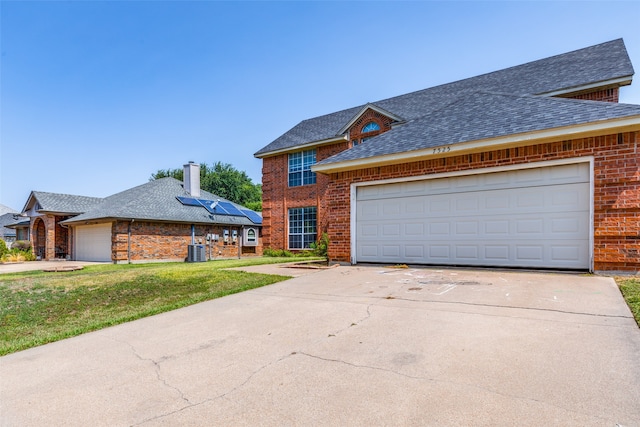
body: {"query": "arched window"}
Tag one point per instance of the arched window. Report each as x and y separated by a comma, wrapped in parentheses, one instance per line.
(370, 127)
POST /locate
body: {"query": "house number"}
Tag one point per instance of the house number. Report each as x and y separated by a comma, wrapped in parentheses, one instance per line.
(439, 150)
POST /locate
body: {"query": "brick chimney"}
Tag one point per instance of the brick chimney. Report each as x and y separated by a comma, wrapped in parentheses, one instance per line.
(192, 178)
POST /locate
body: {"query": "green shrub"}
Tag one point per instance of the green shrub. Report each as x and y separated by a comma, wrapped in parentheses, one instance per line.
(20, 251)
(321, 247)
(3, 248)
(21, 245)
(276, 253)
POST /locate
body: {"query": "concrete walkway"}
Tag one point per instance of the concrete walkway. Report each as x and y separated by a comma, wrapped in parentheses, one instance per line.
(350, 346)
(18, 267)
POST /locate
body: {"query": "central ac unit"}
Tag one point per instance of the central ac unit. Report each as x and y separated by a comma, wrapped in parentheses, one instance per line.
(196, 253)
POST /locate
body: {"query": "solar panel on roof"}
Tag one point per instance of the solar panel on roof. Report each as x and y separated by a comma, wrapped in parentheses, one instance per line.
(188, 201)
(221, 208)
(230, 209)
(253, 216)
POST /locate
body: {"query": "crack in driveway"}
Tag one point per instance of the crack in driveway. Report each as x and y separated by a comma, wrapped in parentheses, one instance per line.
(435, 380)
(156, 367)
(247, 379)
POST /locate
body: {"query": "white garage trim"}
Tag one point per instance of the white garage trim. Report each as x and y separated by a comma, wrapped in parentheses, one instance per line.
(93, 242)
(545, 164)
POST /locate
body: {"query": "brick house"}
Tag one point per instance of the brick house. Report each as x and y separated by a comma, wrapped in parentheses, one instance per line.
(156, 221)
(536, 166)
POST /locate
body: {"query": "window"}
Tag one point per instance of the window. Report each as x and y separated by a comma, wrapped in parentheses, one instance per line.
(300, 168)
(302, 227)
(370, 127)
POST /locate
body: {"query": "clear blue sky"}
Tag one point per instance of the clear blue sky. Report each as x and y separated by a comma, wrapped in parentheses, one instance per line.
(98, 95)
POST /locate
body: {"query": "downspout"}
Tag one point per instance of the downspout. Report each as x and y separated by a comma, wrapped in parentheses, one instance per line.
(193, 234)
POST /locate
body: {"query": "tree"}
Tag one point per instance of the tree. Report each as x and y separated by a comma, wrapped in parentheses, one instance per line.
(223, 180)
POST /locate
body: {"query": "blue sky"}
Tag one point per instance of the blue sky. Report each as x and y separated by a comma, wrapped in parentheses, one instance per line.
(97, 95)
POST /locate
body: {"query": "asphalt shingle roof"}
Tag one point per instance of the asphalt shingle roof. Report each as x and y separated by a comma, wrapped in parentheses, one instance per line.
(156, 201)
(483, 116)
(599, 63)
(64, 203)
(7, 219)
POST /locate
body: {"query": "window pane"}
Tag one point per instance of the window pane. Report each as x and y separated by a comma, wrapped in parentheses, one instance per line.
(300, 168)
(370, 127)
(302, 227)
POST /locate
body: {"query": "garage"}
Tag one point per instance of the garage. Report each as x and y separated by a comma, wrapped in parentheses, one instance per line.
(93, 242)
(534, 217)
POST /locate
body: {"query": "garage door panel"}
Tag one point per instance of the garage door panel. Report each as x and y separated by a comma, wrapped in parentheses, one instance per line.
(554, 226)
(532, 254)
(557, 175)
(544, 225)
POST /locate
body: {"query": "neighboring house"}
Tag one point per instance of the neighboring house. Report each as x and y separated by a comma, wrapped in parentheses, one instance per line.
(12, 226)
(156, 221)
(7, 234)
(49, 238)
(531, 166)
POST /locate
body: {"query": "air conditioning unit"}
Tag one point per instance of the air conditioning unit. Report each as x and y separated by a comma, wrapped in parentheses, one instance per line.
(250, 236)
(196, 253)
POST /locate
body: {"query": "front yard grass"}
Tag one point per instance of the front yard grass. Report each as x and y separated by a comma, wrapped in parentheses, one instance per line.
(630, 288)
(38, 308)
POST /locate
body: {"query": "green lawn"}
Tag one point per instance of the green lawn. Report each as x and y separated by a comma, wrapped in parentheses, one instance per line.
(38, 308)
(630, 288)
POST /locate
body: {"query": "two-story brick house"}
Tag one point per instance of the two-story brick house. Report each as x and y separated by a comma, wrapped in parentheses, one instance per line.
(535, 165)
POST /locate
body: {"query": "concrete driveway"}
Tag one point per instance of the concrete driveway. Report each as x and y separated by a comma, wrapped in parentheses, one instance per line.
(350, 346)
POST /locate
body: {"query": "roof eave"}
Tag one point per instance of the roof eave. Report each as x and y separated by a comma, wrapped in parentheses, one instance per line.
(605, 84)
(85, 221)
(341, 138)
(627, 124)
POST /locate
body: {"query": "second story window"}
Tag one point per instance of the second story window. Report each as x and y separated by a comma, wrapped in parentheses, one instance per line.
(370, 127)
(300, 168)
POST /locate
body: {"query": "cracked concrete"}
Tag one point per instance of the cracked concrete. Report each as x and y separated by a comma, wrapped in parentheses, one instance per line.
(350, 346)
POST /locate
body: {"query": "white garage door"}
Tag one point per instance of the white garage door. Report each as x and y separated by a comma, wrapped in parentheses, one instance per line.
(93, 242)
(525, 218)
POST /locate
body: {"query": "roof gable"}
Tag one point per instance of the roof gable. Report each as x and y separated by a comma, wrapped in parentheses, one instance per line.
(60, 203)
(363, 110)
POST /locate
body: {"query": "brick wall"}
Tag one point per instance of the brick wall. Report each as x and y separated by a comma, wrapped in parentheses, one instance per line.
(605, 95)
(355, 131)
(616, 191)
(142, 241)
(278, 197)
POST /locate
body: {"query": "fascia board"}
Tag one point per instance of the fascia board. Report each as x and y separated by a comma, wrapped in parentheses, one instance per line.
(627, 124)
(620, 81)
(341, 138)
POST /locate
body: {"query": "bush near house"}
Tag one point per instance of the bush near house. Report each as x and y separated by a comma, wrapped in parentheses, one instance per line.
(20, 251)
(21, 245)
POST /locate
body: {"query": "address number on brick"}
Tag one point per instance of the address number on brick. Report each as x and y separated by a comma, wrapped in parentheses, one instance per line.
(439, 150)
